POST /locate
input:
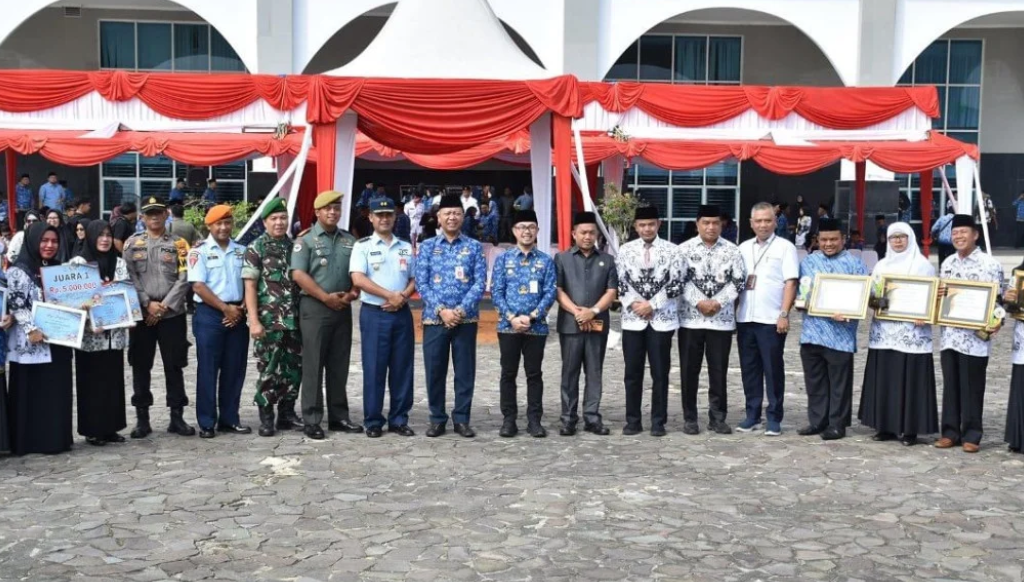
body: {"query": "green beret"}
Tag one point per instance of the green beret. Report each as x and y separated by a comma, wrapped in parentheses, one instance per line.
(275, 205)
(325, 198)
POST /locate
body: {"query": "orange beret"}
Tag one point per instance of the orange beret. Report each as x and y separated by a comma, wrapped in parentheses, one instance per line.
(217, 213)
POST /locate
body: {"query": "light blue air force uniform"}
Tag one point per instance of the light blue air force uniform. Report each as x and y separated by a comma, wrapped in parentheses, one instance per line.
(220, 269)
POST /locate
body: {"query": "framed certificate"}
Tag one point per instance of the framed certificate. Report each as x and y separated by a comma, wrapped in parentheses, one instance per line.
(62, 326)
(845, 295)
(1018, 285)
(908, 298)
(113, 311)
(967, 304)
(133, 296)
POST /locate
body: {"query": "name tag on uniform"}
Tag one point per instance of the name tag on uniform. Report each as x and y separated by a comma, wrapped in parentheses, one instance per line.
(751, 282)
(534, 287)
(460, 272)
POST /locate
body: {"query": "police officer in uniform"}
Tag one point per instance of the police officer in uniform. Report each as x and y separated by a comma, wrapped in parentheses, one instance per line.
(382, 268)
(222, 338)
(320, 263)
(156, 265)
(272, 304)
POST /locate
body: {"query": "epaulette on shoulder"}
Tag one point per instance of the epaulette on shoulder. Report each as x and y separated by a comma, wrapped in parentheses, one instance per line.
(364, 239)
(198, 244)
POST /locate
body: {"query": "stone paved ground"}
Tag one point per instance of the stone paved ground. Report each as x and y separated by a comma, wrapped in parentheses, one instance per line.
(740, 507)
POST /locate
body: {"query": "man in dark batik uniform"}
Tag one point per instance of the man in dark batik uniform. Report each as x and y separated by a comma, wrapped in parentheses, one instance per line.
(271, 299)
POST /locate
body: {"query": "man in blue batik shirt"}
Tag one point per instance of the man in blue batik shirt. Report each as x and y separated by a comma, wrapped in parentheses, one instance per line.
(451, 273)
(489, 223)
(523, 290)
(827, 344)
(23, 197)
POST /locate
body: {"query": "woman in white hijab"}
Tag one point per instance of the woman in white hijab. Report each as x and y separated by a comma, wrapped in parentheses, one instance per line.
(898, 396)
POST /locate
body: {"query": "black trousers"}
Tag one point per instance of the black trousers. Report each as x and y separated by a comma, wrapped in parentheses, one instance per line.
(582, 352)
(1019, 241)
(646, 347)
(170, 335)
(963, 396)
(829, 377)
(529, 348)
(694, 344)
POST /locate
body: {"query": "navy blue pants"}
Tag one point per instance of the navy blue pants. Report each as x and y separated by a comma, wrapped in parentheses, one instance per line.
(460, 343)
(761, 364)
(388, 343)
(221, 353)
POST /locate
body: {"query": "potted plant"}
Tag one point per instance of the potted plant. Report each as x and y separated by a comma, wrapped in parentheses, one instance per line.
(617, 210)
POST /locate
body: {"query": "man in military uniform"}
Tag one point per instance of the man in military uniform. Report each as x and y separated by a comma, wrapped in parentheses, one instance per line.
(320, 263)
(156, 265)
(271, 301)
(450, 277)
(222, 339)
(382, 268)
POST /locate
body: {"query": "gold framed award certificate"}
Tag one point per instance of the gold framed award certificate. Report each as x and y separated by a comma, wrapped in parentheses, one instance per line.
(967, 304)
(908, 298)
(845, 295)
(1018, 285)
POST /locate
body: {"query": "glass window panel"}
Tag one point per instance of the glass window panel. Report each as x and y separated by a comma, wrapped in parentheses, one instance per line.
(676, 231)
(158, 188)
(154, 45)
(903, 179)
(117, 45)
(724, 199)
(232, 171)
(964, 107)
(938, 122)
(156, 167)
(691, 58)
(908, 76)
(915, 180)
(626, 67)
(123, 166)
(116, 191)
(930, 66)
(725, 55)
(230, 191)
(223, 57)
(965, 62)
(687, 177)
(685, 202)
(191, 47)
(663, 230)
(181, 170)
(656, 58)
(724, 173)
(651, 175)
(964, 136)
(656, 197)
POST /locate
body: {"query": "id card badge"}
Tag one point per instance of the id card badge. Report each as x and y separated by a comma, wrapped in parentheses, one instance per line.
(403, 265)
(460, 272)
(751, 282)
(534, 287)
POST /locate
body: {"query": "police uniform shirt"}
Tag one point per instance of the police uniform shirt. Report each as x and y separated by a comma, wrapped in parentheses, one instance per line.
(220, 269)
(325, 257)
(387, 265)
(158, 270)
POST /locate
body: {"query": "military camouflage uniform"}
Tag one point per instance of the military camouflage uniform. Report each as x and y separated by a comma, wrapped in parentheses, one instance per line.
(278, 352)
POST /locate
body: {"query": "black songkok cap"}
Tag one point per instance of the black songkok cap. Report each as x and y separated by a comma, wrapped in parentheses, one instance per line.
(963, 220)
(584, 218)
(450, 201)
(829, 225)
(646, 213)
(708, 211)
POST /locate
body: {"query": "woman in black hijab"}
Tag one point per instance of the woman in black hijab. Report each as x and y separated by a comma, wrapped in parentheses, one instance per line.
(76, 230)
(55, 218)
(99, 364)
(39, 395)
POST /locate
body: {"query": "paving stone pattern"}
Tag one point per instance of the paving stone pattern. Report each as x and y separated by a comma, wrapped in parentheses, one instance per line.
(707, 507)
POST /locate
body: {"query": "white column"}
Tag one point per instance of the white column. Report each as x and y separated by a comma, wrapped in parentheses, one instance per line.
(964, 185)
(345, 164)
(540, 169)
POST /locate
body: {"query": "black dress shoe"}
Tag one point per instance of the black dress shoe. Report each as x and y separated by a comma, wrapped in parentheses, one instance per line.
(114, 438)
(343, 426)
(207, 433)
(720, 428)
(436, 430)
(909, 440)
(810, 430)
(567, 430)
(598, 429)
(508, 429)
(464, 429)
(178, 425)
(832, 434)
(313, 431)
(1013, 449)
(630, 430)
(883, 436)
(374, 432)
(657, 431)
(403, 430)
(691, 428)
(234, 429)
(96, 441)
(536, 430)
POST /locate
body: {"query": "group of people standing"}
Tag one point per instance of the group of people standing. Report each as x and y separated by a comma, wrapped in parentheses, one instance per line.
(293, 299)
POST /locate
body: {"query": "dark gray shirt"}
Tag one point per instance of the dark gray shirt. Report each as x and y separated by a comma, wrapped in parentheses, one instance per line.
(584, 279)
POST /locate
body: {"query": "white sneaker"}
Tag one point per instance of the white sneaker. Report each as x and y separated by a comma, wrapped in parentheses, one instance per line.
(773, 430)
(746, 426)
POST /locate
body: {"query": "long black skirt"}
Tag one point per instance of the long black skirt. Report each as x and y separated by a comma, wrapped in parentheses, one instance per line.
(898, 395)
(5, 433)
(99, 379)
(40, 403)
(1015, 409)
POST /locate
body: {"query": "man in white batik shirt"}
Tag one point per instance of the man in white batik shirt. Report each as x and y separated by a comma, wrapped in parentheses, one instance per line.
(650, 273)
(963, 354)
(715, 275)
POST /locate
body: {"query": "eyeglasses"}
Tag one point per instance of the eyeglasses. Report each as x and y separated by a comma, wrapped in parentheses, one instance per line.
(898, 237)
(31, 220)
(526, 228)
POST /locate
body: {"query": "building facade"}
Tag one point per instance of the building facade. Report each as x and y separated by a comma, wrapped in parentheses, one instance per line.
(973, 51)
